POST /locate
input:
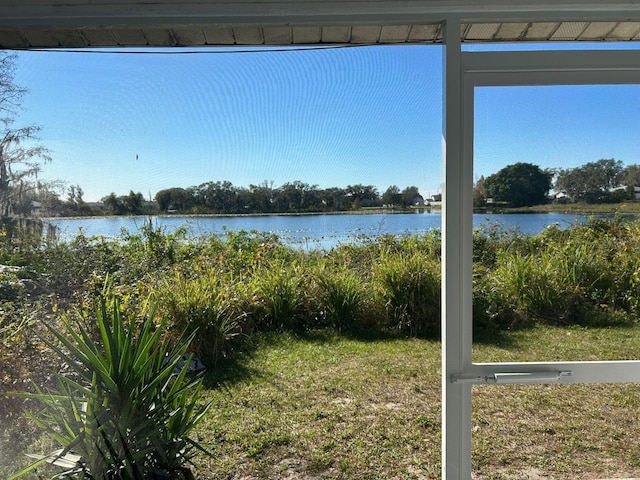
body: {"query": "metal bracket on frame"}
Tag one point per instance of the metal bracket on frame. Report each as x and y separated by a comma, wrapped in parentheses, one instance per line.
(512, 377)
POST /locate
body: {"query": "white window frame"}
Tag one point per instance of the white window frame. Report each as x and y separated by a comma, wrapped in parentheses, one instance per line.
(463, 72)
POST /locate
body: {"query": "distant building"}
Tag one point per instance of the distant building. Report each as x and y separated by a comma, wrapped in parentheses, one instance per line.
(97, 206)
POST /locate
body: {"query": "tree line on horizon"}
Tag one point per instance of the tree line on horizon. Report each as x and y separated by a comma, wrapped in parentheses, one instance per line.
(525, 184)
(517, 185)
(291, 197)
(222, 197)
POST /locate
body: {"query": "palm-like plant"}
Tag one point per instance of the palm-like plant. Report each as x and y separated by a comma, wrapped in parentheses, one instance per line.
(128, 409)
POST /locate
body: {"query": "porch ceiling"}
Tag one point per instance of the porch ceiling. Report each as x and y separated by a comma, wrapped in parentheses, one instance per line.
(313, 35)
(165, 23)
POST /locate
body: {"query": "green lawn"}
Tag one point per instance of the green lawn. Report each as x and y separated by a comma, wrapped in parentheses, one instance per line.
(325, 406)
(581, 208)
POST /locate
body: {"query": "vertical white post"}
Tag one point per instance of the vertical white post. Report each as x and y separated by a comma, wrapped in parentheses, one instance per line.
(457, 282)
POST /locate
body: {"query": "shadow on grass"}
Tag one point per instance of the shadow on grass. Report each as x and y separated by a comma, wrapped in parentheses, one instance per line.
(236, 368)
(233, 369)
(496, 338)
(362, 335)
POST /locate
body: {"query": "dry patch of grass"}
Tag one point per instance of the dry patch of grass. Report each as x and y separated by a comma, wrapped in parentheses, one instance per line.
(329, 407)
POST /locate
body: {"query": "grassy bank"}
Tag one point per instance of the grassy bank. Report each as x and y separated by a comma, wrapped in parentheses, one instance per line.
(326, 364)
(327, 406)
(576, 208)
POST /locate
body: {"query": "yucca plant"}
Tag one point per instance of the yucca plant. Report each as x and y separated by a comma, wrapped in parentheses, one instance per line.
(128, 408)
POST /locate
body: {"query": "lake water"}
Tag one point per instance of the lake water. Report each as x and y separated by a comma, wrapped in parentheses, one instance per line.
(308, 231)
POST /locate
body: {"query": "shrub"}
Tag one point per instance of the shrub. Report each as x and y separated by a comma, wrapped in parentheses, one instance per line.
(342, 296)
(279, 296)
(409, 288)
(517, 292)
(124, 413)
(556, 278)
(202, 304)
(151, 248)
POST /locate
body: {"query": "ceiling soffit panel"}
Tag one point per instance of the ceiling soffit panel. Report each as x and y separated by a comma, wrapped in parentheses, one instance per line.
(394, 33)
(597, 31)
(425, 33)
(307, 35)
(339, 34)
(510, 31)
(219, 36)
(102, 23)
(365, 34)
(481, 31)
(14, 37)
(189, 36)
(568, 31)
(248, 36)
(70, 37)
(41, 38)
(277, 35)
(624, 31)
(283, 35)
(125, 37)
(541, 31)
(160, 37)
(103, 38)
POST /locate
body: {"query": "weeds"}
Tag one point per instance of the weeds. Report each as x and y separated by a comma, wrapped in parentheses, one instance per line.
(409, 288)
(280, 296)
(200, 303)
(343, 299)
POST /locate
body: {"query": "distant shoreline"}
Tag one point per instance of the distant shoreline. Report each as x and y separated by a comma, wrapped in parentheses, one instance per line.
(573, 208)
(362, 211)
(570, 208)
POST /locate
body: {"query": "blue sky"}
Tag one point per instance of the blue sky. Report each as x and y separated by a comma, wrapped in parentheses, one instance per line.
(326, 117)
(330, 117)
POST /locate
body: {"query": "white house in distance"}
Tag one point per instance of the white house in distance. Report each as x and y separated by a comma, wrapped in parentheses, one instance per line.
(452, 23)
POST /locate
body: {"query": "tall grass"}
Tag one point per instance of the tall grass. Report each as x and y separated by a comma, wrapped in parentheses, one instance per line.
(409, 288)
(280, 296)
(585, 275)
(200, 304)
(342, 295)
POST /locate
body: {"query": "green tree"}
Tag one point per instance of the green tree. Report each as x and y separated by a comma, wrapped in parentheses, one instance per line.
(133, 203)
(392, 196)
(362, 195)
(173, 198)
(520, 184)
(479, 196)
(298, 196)
(217, 197)
(630, 176)
(410, 195)
(262, 197)
(592, 182)
(333, 199)
(114, 203)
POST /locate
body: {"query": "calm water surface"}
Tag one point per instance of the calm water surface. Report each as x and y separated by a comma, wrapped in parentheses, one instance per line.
(308, 231)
